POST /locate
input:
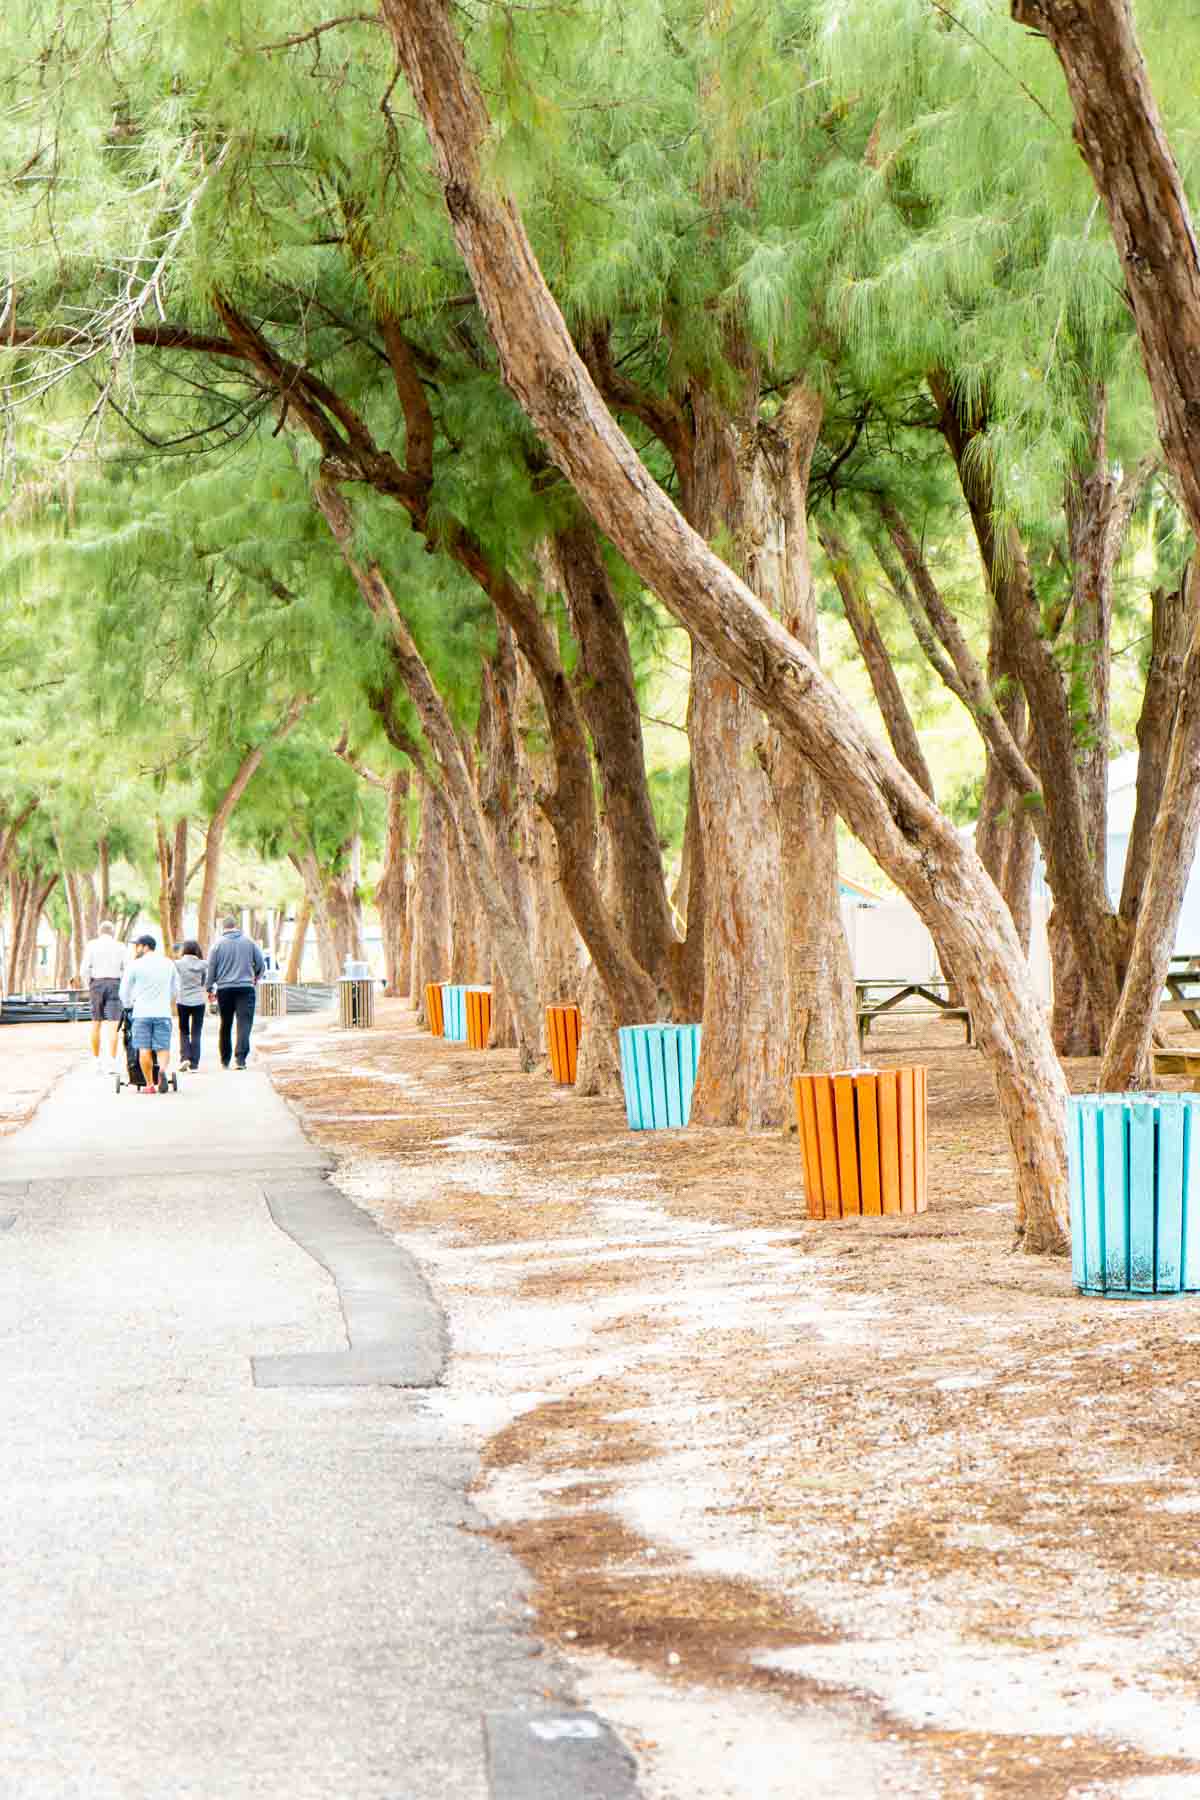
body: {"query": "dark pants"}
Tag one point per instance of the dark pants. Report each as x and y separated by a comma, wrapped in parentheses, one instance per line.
(235, 1002)
(191, 1024)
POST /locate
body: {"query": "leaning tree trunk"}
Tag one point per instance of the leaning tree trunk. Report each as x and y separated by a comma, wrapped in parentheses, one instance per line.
(391, 890)
(915, 844)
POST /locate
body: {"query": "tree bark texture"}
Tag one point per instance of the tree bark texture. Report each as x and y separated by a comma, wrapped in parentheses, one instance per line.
(608, 698)
(917, 846)
(1170, 634)
(391, 891)
(431, 897)
(822, 1023)
(741, 1079)
(687, 979)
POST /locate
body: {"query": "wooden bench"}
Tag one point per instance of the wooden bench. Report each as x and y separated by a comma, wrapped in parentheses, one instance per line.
(896, 1004)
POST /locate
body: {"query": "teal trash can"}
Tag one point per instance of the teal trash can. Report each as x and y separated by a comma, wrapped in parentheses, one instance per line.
(658, 1073)
(454, 1012)
(1135, 1193)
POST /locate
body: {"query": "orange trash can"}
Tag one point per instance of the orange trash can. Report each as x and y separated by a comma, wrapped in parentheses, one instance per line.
(433, 1008)
(479, 1017)
(863, 1136)
(564, 1028)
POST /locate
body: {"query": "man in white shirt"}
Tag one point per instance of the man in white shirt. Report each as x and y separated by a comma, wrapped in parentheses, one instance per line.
(100, 971)
(150, 988)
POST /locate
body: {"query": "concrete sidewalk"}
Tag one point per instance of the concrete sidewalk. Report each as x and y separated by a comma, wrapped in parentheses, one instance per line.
(210, 1588)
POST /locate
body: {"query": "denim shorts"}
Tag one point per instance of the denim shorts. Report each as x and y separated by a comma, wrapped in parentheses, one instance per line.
(152, 1034)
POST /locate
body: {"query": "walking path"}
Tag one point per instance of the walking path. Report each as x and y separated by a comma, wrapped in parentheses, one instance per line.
(216, 1587)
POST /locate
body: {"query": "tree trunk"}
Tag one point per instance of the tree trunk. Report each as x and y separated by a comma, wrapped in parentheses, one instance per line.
(687, 980)
(885, 685)
(822, 1030)
(431, 898)
(19, 891)
(295, 962)
(469, 956)
(744, 1044)
(608, 697)
(214, 837)
(89, 902)
(172, 882)
(1170, 633)
(917, 847)
(506, 796)
(391, 891)
(62, 958)
(79, 942)
(308, 869)
(10, 830)
(102, 874)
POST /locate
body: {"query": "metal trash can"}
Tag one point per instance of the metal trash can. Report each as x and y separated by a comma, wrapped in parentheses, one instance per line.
(272, 997)
(356, 1001)
(1135, 1193)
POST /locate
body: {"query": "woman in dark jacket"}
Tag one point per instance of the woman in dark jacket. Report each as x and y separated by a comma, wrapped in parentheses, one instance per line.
(193, 972)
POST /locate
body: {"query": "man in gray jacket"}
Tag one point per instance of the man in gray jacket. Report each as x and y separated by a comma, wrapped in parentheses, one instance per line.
(235, 963)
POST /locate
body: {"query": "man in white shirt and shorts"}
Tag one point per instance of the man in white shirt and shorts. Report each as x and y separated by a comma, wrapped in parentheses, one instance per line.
(150, 988)
(100, 972)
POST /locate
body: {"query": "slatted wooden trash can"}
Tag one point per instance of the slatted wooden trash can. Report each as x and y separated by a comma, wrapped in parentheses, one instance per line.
(1134, 1164)
(479, 1016)
(564, 1028)
(433, 1008)
(454, 1013)
(356, 1000)
(863, 1137)
(658, 1073)
(272, 998)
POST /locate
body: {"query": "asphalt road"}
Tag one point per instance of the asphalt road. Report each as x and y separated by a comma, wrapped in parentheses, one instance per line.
(210, 1587)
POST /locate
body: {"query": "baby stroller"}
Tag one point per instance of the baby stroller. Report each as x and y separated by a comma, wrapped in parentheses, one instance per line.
(133, 1076)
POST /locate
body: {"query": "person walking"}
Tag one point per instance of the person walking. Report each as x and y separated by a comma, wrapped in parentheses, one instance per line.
(193, 982)
(150, 987)
(235, 964)
(100, 972)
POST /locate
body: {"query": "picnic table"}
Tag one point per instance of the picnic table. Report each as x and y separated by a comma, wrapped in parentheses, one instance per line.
(1183, 975)
(878, 996)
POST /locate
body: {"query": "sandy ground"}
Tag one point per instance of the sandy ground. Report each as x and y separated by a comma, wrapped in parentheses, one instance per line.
(854, 1509)
(32, 1057)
